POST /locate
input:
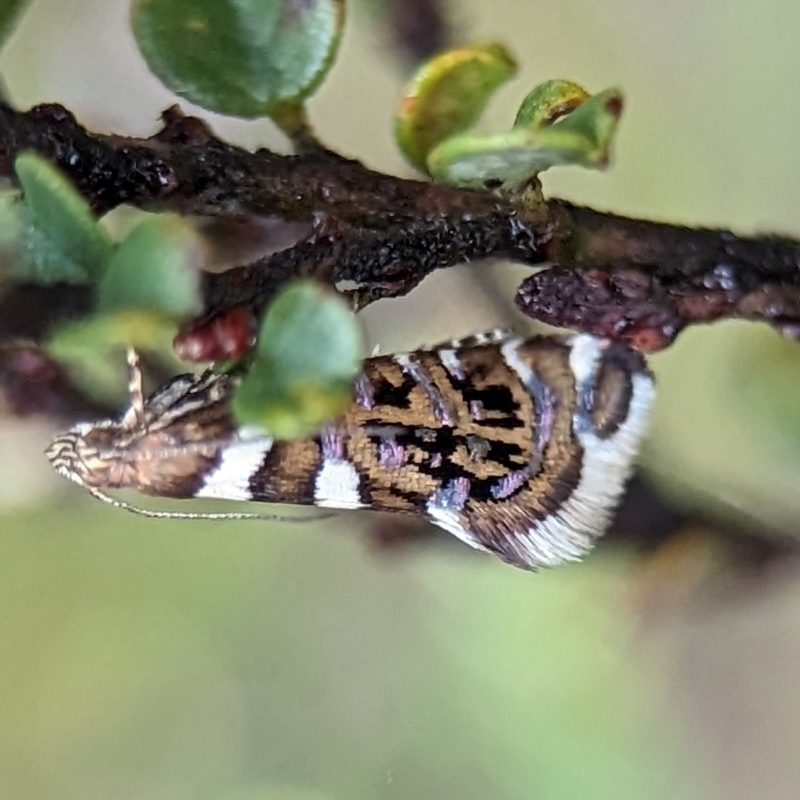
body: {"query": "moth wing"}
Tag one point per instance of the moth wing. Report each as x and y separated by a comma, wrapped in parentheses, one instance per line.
(489, 336)
(531, 527)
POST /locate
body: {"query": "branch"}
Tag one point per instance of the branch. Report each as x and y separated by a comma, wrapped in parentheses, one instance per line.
(383, 232)
(631, 280)
(184, 167)
(643, 282)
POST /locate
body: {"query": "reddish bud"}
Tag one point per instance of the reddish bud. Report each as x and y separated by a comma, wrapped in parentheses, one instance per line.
(226, 337)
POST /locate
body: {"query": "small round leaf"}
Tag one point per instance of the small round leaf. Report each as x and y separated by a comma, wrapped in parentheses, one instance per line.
(582, 137)
(239, 57)
(90, 347)
(104, 332)
(548, 102)
(309, 351)
(155, 268)
(447, 95)
(59, 238)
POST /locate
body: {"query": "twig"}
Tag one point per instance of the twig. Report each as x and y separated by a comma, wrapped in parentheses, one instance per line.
(643, 282)
(628, 279)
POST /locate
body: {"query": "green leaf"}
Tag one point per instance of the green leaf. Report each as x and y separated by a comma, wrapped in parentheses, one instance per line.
(596, 120)
(10, 219)
(90, 347)
(10, 12)
(155, 268)
(58, 236)
(548, 102)
(107, 331)
(309, 351)
(239, 57)
(447, 95)
(582, 137)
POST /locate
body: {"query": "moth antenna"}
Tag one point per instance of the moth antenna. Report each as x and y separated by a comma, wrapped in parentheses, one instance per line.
(135, 384)
(213, 515)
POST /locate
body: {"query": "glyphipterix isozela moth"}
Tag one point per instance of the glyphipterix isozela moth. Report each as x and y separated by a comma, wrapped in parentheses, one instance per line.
(519, 447)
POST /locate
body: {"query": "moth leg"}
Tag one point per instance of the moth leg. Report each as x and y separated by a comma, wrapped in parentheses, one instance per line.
(135, 385)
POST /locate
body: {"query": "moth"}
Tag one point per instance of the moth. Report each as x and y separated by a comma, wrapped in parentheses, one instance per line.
(518, 447)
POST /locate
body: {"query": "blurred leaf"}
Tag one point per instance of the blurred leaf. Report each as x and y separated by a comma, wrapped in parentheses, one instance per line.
(59, 238)
(10, 12)
(765, 388)
(308, 353)
(10, 220)
(582, 137)
(548, 102)
(140, 328)
(155, 268)
(239, 57)
(270, 791)
(121, 220)
(447, 95)
(90, 348)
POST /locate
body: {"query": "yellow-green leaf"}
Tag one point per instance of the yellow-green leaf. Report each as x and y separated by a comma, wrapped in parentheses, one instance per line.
(91, 348)
(548, 102)
(104, 332)
(582, 137)
(447, 95)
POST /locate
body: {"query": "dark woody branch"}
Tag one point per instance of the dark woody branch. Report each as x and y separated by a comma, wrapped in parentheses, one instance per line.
(628, 279)
(643, 282)
(185, 168)
(382, 263)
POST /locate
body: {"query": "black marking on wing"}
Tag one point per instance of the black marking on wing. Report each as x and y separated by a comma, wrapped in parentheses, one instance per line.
(495, 398)
(385, 393)
(445, 442)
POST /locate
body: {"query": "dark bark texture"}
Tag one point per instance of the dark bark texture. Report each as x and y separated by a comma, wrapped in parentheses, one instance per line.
(632, 280)
(628, 279)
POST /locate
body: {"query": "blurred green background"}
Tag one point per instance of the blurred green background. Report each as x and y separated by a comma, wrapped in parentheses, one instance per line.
(151, 660)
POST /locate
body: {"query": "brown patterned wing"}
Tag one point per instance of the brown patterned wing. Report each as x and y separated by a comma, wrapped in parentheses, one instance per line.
(517, 447)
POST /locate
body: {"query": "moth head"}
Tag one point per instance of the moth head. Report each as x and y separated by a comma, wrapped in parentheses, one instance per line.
(85, 455)
(77, 455)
